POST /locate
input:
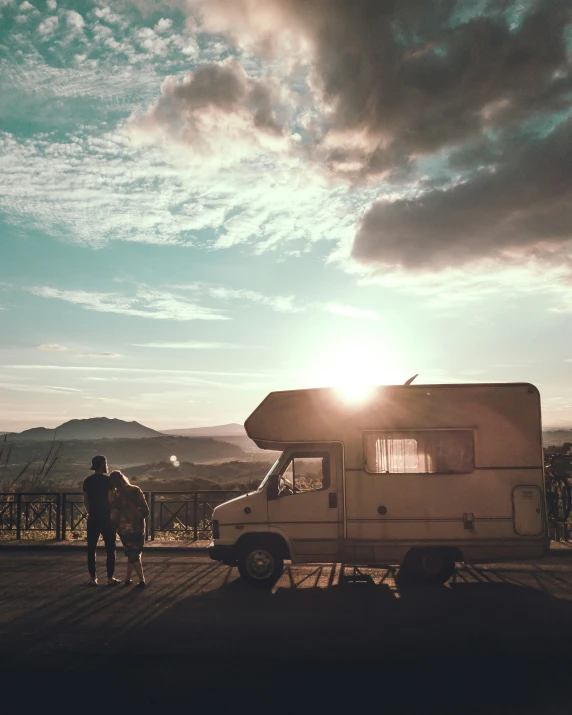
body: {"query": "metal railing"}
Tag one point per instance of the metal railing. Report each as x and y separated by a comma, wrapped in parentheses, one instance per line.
(180, 514)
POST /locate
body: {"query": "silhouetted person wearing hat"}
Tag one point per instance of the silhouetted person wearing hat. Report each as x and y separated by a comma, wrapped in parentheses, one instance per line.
(96, 490)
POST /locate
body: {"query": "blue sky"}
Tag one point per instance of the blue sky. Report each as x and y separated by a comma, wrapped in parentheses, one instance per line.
(189, 219)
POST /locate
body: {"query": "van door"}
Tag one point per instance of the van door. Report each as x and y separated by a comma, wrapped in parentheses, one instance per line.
(527, 510)
(308, 506)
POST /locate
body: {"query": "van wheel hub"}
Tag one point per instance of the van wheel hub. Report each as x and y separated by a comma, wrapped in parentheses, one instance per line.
(260, 564)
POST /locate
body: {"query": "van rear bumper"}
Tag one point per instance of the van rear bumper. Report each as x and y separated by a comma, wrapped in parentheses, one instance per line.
(226, 554)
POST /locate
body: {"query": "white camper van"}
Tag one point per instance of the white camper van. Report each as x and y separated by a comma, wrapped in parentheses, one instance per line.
(422, 476)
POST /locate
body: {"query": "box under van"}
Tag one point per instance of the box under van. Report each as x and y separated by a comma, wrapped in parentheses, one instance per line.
(418, 475)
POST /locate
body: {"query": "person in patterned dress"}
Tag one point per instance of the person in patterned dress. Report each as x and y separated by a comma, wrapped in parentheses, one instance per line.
(128, 512)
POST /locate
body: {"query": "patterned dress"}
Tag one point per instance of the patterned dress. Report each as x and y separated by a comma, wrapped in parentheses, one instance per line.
(129, 511)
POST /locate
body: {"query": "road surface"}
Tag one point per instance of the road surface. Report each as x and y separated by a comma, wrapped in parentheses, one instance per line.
(497, 634)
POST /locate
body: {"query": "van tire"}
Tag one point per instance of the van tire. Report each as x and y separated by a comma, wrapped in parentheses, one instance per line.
(427, 566)
(260, 563)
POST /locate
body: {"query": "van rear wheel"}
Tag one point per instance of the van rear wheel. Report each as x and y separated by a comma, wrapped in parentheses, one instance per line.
(260, 564)
(428, 566)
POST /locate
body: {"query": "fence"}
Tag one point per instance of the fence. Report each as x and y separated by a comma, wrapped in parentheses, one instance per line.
(172, 514)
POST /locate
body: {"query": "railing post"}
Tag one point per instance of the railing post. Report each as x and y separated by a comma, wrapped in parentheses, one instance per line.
(58, 517)
(196, 517)
(18, 515)
(148, 524)
(63, 521)
(152, 516)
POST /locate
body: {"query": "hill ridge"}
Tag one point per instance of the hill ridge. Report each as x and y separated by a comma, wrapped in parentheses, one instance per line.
(88, 428)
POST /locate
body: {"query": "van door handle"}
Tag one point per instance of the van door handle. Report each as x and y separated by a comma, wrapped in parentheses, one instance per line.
(332, 500)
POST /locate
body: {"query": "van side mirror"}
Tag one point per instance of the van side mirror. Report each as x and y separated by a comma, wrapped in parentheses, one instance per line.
(272, 487)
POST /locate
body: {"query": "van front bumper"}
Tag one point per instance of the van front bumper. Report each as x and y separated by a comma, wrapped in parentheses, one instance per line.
(226, 554)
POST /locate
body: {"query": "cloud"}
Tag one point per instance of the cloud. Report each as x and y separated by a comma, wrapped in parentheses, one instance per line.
(75, 20)
(397, 79)
(468, 285)
(146, 303)
(149, 302)
(281, 304)
(96, 187)
(163, 25)
(140, 370)
(519, 201)
(39, 389)
(52, 346)
(215, 109)
(48, 26)
(350, 312)
(63, 389)
(192, 345)
(98, 355)
(456, 107)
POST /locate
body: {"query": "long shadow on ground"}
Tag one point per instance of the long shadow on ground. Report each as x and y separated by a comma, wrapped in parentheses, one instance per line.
(471, 647)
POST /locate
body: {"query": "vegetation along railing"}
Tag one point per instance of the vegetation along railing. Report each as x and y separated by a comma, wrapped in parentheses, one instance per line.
(173, 515)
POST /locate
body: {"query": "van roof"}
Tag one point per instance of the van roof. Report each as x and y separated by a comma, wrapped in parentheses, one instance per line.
(323, 414)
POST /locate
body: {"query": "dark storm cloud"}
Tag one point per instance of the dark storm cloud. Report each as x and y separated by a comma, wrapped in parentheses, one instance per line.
(522, 202)
(411, 76)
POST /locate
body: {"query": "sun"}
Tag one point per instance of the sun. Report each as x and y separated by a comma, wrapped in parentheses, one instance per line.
(355, 371)
(354, 391)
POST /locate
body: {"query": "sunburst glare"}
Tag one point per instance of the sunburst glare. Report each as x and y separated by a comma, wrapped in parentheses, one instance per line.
(355, 370)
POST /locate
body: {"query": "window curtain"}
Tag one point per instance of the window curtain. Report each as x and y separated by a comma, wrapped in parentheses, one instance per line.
(422, 452)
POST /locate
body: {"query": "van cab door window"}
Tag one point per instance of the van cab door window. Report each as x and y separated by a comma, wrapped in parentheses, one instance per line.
(306, 472)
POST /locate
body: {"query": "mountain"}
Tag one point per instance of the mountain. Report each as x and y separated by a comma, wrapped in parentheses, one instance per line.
(92, 428)
(556, 437)
(231, 430)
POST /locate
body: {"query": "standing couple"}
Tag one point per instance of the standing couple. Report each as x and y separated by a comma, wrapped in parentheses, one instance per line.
(114, 506)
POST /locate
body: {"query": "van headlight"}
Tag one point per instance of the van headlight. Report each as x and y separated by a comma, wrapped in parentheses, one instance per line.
(215, 528)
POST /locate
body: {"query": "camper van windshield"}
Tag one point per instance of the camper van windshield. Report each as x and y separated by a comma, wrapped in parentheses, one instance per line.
(272, 468)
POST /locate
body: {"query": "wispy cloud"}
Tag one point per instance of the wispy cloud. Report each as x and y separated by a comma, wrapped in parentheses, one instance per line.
(192, 345)
(63, 389)
(146, 303)
(98, 355)
(166, 304)
(143, 370)
(53, 347)
(456, 287)
(282, 304)
(279, 303)
(349, 312)
(39, 389)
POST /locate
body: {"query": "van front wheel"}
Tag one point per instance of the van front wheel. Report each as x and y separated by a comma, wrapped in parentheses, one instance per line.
(261, 565)
(428, 566)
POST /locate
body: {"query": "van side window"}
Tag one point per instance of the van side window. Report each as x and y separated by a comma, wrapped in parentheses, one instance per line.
(305, 472)
(419, 452)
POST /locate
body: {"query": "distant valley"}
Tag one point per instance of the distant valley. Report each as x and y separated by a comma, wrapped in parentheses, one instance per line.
(231, 430)
(203, 461)
(556, 437)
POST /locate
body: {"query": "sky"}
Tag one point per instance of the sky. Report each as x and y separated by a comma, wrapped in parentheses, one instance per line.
(205, 201)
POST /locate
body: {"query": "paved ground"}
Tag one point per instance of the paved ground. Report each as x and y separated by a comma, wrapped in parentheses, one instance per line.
(496, 639)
